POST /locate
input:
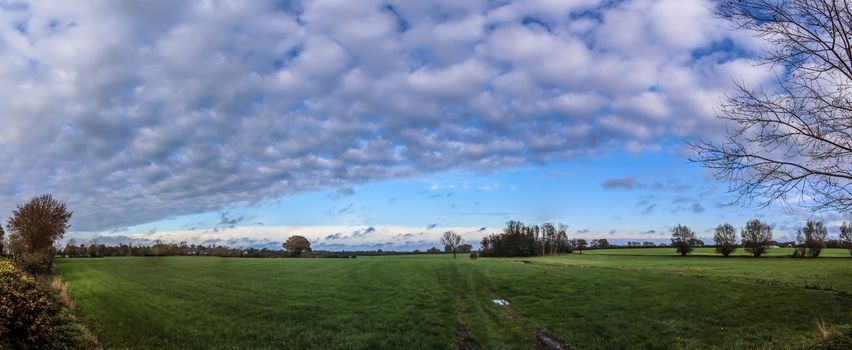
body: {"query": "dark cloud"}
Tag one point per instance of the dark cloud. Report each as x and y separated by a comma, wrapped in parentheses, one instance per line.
(143, 126)
(697, 208)
(364, 232)
(227, 220)
(334, 236)
(431, 226)
(626, 183)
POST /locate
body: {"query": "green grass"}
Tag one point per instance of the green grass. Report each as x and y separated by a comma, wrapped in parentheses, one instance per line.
(772, 252)
(422, 302)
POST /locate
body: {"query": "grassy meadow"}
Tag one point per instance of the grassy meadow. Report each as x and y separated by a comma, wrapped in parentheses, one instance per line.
(589, 301)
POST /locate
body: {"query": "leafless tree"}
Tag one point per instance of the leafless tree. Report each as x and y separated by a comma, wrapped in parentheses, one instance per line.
(452, 241)
(725, 237)
(792, 141)
(756, 237)
(846, 236)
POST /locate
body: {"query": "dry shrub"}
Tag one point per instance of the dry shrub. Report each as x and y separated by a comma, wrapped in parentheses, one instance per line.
(61, 290)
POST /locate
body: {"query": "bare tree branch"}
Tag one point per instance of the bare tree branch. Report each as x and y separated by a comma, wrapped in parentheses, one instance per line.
(792, 142)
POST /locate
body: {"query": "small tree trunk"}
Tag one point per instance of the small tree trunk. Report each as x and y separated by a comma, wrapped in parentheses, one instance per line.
(454, 253)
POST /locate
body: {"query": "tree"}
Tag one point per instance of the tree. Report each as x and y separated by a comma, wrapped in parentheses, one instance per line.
(683, 239)
(846, 236)
(297, 245)
(580, 244)
(465, 248)
(2, 239)
(600, 243)
(726, 239)
(452, 241)
(756, 237)
(33, 229)
(811, 239)
(795, 140)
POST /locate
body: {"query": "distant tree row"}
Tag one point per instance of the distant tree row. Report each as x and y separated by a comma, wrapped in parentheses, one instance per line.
(518, 239)
(756, 238)
(159, 248)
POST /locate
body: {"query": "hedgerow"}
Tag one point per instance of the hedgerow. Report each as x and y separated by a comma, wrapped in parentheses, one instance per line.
(31, 318)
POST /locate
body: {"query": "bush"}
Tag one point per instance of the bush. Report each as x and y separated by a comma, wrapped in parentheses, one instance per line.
(34, 263)
(30, 318)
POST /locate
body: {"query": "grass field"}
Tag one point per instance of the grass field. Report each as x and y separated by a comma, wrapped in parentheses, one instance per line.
(773, 252)
(432, 302)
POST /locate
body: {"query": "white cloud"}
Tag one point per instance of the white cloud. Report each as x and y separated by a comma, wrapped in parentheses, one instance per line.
(135, 111)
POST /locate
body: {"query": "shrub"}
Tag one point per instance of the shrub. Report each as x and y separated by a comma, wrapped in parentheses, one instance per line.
(756, 236)
(36, 263)
(474, 255)
(30, 318)
(726, 239)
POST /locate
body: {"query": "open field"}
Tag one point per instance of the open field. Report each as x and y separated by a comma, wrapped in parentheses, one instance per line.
(433, 302)
(772, 252)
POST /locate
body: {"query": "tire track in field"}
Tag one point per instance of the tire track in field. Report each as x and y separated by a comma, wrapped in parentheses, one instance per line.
(544, 341)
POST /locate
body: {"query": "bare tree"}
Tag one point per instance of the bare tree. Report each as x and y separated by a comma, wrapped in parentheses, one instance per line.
(452, 241)
(683, 239)
(810, 239)
(2, 239)
(792, 141)
(726, 239)
(757, 236)
(846, 236)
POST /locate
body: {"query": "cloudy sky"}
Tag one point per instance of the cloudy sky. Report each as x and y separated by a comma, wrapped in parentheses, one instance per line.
(365, 124)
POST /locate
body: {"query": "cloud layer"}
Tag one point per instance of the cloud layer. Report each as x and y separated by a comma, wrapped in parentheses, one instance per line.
(135, 111)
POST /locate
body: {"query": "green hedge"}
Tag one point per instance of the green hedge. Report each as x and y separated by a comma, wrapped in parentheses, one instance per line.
(31, 318)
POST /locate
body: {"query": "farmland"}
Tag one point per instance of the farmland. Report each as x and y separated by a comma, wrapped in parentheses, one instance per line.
(590, 301)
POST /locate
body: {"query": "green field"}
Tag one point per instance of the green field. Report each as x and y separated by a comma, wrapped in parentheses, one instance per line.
(773, 252)
(433, 302)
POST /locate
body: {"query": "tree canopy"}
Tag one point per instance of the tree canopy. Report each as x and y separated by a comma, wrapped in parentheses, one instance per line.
(297, 245)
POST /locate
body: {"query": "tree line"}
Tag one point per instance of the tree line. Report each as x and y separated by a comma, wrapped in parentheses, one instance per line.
(756, 239)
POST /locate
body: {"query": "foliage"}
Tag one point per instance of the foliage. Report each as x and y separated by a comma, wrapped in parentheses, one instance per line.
(518, 239)
(756, 237)
(2, 240)
(35, 226)
(297, 245)
(30, 318)
(810, 239)
(451, 241)
(725, 237)
(465, 248)
(683, 239)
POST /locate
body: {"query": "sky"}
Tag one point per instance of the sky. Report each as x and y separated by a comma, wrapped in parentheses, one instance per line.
(371, 124)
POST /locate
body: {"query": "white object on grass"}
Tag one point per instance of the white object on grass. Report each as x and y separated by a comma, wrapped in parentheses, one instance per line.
(501, 302)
